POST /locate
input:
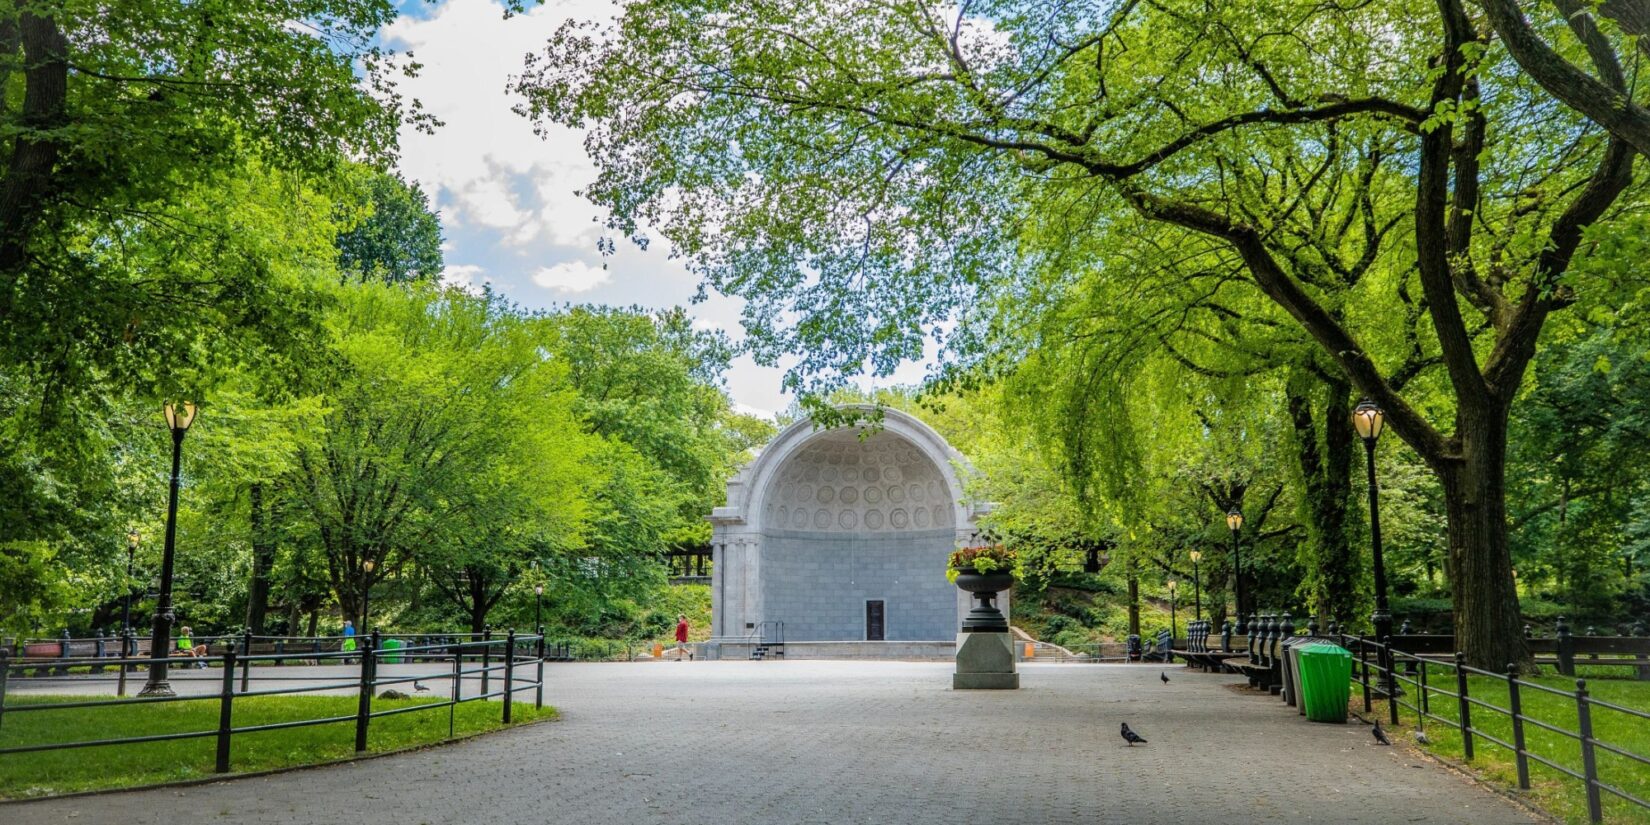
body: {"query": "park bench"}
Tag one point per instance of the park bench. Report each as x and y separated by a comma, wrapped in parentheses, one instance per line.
(1264, 665)
(1200, 653)
(1562, 651)
(55, 657)
(1162, 649)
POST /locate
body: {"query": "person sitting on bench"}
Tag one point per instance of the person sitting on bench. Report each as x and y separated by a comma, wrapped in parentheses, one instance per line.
(187, 646)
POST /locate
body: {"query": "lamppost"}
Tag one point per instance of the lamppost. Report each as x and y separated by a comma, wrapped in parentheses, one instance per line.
(1368, 420)
(178, 419)
(132, 539)
(1197, 584)
(1174, 588)
(538, 606)
(366, 592)
(1234, 522)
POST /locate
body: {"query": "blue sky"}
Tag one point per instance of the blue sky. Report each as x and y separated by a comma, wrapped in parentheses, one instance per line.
(507, 197)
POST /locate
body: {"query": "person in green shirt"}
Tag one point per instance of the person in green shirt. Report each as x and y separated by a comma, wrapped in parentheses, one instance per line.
(187, 646)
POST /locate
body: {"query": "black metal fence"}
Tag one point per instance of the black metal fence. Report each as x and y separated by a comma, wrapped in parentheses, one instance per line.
(1421, 681)
(468, 657)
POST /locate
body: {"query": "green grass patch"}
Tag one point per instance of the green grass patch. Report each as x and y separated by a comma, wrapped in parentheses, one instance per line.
(120, 766)
(1561, 795)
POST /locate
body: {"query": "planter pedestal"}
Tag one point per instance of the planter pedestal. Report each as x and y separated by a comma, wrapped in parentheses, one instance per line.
(985, 661)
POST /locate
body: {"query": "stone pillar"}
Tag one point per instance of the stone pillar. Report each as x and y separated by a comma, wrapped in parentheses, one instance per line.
(985, 661)
(718, 606)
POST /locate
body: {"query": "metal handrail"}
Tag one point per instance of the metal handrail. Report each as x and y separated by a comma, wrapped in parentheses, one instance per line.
(1368, 654)
(371, 654)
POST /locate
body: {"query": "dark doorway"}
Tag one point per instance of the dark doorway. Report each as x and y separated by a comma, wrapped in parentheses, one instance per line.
(873, 620)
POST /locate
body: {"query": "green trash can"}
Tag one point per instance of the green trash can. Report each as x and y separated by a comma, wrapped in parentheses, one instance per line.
(1326, 680)
(392, 644)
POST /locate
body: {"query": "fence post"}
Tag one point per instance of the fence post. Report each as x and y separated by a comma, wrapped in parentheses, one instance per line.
(129, 650)
(538, 690)
(1517, 708)
(1566, 649)
(1363, 660)
(486, 661)
(1426, 697)
(458, 688)
(1390, 677)
(120, 678)
(509, 671)
(226, 703)
(1465, 706)
(98, 668)
(5, 676)
(1589, 761)
(363, 707)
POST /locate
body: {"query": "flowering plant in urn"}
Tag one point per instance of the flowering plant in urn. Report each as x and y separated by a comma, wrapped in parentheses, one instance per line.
(984, 572)
(985, 558)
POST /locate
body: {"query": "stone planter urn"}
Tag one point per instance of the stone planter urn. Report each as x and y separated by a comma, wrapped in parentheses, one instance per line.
(985, 617)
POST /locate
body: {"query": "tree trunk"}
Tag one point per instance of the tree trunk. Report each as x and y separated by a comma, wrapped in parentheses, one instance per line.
(479, 605)
(263, 558)
(1134, 599)
(1488, 624)
(27, 183)
(314, 620)
(1324, 452)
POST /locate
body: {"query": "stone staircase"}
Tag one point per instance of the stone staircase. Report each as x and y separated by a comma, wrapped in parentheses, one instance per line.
(1040, 650)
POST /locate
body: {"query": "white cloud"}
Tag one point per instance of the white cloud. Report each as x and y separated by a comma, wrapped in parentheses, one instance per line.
(467, 277)
(485, 166)
(570, 277)
(507, 197)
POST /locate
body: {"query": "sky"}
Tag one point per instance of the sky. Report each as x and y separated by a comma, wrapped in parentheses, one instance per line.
(507, 197)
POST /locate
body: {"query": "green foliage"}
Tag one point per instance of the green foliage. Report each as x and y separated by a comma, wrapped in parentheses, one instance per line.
(397, 239)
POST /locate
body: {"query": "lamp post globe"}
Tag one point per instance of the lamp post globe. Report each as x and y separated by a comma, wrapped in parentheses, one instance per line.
(538, 607)
(1234, 522)
(366, 593)
(1368, 420)
(1174, 589)
(178, 419)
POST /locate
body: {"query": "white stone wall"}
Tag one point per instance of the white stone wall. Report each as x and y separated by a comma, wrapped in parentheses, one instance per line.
(822, 521)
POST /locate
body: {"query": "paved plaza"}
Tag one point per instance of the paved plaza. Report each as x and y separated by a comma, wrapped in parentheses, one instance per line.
(727, 743)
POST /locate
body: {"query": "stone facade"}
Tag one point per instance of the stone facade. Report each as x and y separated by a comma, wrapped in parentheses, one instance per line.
(824, 521)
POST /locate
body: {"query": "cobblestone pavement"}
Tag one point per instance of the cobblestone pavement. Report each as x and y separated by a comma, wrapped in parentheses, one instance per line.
(727, 743)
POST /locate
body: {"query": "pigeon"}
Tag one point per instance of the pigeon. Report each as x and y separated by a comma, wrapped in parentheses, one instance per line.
(1164, 677)
(1130, 736)
(421, 688)
(1380, 735)
(1421, 738)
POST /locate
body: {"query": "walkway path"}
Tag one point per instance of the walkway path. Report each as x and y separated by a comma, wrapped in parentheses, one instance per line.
(727, 743)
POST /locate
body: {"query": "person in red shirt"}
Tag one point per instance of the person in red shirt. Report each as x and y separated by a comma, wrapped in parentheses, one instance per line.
(681, 636)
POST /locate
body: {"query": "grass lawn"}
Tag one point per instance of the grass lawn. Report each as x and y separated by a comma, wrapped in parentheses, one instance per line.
(117, 766)
(1561, 795)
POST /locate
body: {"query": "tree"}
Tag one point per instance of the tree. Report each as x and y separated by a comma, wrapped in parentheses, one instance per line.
(650, 381)
(862, 174)
(1599, 95)
(397, 238)
(112, 113)
(446, 430)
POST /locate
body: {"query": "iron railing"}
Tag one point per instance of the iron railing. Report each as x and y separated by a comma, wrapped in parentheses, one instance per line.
(1418, 688)
(503, 655)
